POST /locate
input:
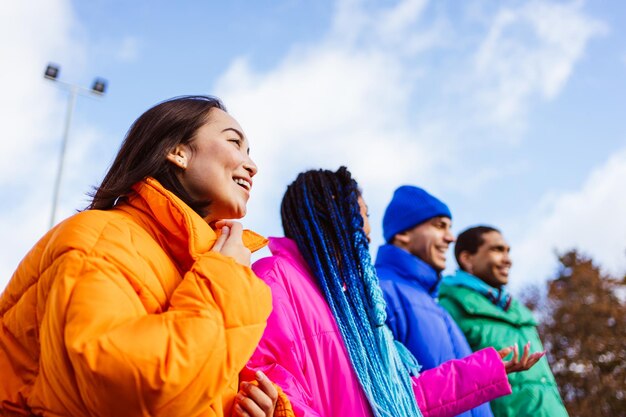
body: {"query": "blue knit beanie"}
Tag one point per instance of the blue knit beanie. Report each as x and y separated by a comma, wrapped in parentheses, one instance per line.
(409, 207)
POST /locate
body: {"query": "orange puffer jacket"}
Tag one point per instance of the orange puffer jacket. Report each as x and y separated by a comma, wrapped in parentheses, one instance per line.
(127, 312)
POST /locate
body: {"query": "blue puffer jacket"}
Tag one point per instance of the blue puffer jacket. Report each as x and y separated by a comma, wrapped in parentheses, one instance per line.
(414, 316)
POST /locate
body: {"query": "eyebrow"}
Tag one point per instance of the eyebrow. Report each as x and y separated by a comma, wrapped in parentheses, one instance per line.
(234, 130)
(240, 134)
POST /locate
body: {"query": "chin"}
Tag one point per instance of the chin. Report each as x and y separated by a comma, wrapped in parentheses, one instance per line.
(439, 267)
(234, 210)
(238, 214)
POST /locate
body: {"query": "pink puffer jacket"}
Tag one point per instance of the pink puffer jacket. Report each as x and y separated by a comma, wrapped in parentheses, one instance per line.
(302, 351)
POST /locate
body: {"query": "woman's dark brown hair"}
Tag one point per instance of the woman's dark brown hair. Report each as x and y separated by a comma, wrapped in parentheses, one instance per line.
(148, 141)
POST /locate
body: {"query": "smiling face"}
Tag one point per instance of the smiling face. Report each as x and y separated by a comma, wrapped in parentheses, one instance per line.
(491, 262)
(429, 241)
(216, 166)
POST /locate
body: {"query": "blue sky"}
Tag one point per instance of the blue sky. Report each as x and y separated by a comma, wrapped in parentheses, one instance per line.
(511, 112)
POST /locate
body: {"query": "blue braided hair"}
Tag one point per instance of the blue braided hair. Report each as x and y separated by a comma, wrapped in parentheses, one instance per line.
(321, 213)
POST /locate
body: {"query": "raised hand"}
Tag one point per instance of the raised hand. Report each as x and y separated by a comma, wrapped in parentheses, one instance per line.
(519, 364)
(256, 401)
(230, 242)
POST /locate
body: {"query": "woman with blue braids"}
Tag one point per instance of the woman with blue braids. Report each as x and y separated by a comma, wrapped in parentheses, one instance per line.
(326, 343)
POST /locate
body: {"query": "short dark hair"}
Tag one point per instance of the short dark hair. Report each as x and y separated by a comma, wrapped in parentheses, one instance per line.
(470, 240)
(143, 152)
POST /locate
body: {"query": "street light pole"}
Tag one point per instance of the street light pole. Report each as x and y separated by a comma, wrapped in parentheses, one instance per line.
(66, 131)
(98, 88)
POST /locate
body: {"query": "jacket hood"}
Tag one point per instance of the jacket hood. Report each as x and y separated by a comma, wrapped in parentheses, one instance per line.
(408, 267)
(476, 304)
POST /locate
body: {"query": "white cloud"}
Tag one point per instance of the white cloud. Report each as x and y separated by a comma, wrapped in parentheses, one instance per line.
(478, 178)
(366, 23)
(128, 49)
(590, 219)
(529, 51)
(388, 92)
(32, 117)
(346, 99)
(25, 98)
(323, 107)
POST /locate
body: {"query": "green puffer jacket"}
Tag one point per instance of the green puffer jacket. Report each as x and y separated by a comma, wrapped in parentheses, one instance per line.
(534, 391)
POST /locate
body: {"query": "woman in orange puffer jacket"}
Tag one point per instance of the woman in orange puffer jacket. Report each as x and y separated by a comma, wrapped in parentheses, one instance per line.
(144, 304)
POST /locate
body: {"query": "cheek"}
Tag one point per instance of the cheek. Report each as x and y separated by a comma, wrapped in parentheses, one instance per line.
(222, 155)
(234, 158)
(425, 249)
(433, 242)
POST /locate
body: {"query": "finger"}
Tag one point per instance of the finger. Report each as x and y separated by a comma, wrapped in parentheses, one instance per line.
(236, 231)
(221, 239)
(249, 405)
(266, 385)
(526, 349)
(534, 358)
(525, 354)
(239, 412)
(260, 398)
(504, 352)
(515, 354)
(221, 223)
(511, 365)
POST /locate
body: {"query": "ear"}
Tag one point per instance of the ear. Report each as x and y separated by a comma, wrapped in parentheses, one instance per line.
(179, 156)
(465, 259)
(401, 239)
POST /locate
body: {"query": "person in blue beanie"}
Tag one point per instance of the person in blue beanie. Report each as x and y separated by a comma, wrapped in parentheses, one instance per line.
(489, 316)
(416, 227)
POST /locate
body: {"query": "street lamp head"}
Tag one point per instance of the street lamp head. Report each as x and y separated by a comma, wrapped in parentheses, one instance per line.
(52, 72)
(99, 86)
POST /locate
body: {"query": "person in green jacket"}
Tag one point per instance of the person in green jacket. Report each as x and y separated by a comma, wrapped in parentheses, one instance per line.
(475, 296)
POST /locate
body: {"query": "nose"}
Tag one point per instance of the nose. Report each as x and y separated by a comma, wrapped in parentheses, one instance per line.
(250, 166)
(449, 236)
(507, 259)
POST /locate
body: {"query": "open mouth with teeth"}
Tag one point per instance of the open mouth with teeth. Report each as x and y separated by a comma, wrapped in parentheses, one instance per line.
(243, 183)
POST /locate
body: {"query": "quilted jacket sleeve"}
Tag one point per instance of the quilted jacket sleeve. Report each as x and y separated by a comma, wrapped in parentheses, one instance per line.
(180, 362)
(415, 321)
(459, 385)
(277, 354)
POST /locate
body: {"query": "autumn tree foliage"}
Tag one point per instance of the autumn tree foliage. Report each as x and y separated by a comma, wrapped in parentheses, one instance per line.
(583, 327)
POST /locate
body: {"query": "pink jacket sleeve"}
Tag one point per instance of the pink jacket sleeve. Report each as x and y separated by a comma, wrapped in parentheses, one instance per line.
(459, 385)
(277, 354)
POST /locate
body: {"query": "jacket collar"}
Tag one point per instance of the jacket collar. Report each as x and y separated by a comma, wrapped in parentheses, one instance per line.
(498, 296)
(476, 304)
(283, 246)
(172, 223)
(408, 267)
(287, 248)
